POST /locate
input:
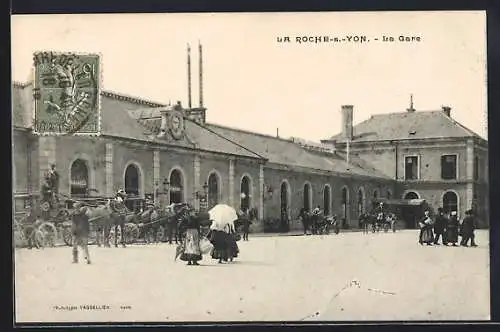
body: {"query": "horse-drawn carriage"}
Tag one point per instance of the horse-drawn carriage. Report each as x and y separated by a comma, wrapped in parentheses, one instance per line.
(319, 223)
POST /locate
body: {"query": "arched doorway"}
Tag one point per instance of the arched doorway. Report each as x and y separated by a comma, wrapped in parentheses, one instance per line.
(132, 180)
(79, 178)
(176, 187)
(411, 195)
(213, 190)
(345, 204)
(307, 197)
(450, 201)
(361, 201)
(411, 214)
(326, 200)
(245, 193)
(284, 200)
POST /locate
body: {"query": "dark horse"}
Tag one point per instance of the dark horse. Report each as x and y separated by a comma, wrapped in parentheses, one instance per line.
(106, 216)
(173, 220)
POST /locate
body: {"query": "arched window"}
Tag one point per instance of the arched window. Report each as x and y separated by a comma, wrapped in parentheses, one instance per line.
(245, 193)
(450, 202)
(411, 195)
(389, 194)
(361, 201)
(213, 190)
(284, 199)
(79, 183)
(176, 187)
(132, 180)
(307, 197)
(326, 200)
(345, 202)
(375, 194)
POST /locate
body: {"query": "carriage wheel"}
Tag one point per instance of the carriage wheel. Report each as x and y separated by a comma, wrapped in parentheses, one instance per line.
(67, 236)
(131, 233)
(49, 233)
(45, 206)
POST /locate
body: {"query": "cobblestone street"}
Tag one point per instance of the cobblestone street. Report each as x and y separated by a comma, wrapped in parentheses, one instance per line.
(350, 276)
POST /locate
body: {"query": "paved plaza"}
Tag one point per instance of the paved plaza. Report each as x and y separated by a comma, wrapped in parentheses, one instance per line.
(349, 276)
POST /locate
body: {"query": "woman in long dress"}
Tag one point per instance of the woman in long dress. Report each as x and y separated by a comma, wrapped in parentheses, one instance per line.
(451, 231)
(218, 238)
(192, 251)
(426, 234)
(232, 246)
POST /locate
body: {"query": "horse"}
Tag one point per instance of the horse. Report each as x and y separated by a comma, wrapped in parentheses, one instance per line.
(106, 216)
(173, 221)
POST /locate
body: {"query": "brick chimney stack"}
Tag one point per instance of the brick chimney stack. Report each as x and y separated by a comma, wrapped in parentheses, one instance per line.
(446, 110)
(347, 114)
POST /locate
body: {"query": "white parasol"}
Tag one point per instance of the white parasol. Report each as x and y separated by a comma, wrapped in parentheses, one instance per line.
(221, 216)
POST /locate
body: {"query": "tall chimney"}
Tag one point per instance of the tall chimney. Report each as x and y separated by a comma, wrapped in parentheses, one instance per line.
(446, 110)
(189, 74)
(347, 113)
(201, 73)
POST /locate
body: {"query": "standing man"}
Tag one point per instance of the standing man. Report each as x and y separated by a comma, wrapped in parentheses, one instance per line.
(53, 178)
(246, 223)
(468, 227)
(439, 226)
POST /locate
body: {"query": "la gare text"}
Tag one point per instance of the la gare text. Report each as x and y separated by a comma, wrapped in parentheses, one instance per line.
(348, 39)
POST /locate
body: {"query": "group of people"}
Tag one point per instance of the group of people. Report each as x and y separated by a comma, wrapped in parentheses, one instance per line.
(223, 239)
(448, 228)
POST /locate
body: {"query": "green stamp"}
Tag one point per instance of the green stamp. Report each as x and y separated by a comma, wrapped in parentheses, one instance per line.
(67, 89)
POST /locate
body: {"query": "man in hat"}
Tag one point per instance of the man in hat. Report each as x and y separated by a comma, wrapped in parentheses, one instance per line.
(52, 178)
(451, 231)
(468, 227)
(439, 226)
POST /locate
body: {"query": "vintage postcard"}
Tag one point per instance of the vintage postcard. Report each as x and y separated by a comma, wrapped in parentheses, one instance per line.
(264, 167)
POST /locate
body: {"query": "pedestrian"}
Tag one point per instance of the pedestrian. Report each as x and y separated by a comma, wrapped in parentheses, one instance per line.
(192, 250)
(451, 230)
(426, 235)
(439, 226)
(468, 226)
(218, 238)
(232, 247)
(246, 225)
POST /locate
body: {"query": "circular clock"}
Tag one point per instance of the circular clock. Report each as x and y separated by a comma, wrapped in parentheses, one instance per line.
(176, 125)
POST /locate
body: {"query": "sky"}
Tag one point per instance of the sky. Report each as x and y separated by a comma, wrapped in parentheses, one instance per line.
(255, 83)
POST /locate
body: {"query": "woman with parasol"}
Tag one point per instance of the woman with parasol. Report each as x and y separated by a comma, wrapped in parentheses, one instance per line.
(222, 232)
(191, 243)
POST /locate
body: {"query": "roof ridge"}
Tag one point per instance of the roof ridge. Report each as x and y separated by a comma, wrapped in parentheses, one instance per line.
(461, 126)
(250, 132)
(127, 97)
(226, 138)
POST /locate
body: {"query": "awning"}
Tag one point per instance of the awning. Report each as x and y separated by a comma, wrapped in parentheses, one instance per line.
(408, 202)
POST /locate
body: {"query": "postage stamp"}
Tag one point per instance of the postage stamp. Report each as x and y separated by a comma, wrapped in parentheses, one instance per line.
(67, 90)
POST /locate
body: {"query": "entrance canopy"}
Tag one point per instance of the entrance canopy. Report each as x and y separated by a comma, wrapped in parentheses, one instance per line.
(407, 202)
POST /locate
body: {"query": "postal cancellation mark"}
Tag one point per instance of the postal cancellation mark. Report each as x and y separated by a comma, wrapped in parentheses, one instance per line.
(66, 93)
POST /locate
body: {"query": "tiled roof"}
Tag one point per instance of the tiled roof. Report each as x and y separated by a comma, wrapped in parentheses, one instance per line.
(286, 152)
(408, 125)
